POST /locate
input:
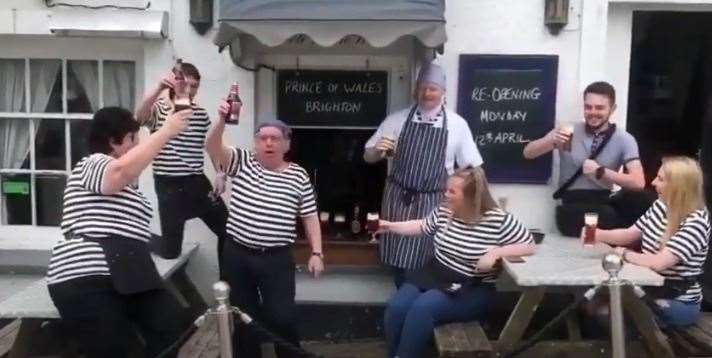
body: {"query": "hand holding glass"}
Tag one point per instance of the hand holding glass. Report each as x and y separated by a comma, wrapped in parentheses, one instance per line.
(389, 142)
(372, 225)
(568, 130)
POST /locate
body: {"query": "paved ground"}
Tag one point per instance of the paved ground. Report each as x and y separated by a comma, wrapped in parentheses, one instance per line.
(361, 349)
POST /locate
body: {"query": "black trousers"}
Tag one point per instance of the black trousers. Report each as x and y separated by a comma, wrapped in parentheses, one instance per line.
(613, 212)
(103, 321)
(262, 285)
(181, 199)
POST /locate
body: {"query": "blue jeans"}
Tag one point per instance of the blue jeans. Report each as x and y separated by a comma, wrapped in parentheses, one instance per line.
(676, 313)
(412, 314)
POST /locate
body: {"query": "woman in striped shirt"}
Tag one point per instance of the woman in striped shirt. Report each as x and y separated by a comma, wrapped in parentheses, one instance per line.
(675, 239)
(101, 276)
(470, 234)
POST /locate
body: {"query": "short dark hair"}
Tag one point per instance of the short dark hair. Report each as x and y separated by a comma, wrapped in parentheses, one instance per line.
(110, 124)
(190, 70)
(602, 88)
(276, 123)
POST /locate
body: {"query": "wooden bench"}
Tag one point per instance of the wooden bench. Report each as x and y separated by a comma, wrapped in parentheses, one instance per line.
(695, 340)
(460, 340)
(7, 336)
(32, 306)
(204, 343)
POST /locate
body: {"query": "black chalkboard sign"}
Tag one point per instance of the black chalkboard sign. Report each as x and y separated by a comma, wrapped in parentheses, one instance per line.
(332, 98)
(509, 101)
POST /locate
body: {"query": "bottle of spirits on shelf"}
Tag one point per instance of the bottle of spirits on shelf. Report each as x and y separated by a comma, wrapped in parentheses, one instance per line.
(356, 222)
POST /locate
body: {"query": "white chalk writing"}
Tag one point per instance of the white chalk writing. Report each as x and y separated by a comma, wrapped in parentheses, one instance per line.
(487, 116)
(500, 94)
(343, 107)
(500, 138)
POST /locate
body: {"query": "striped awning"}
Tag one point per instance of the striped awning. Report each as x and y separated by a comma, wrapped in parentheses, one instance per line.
(326, 22)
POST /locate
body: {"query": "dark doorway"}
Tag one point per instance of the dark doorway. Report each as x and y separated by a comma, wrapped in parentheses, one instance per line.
(670, 84)
(670, 100)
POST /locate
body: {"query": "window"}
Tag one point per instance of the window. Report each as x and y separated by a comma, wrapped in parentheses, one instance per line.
(45, 105)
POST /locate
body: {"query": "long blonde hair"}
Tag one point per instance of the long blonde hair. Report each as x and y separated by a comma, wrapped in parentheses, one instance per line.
(682, 194)
(475, 190)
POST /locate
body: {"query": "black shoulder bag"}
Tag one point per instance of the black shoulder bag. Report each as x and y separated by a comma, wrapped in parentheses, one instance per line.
(609, 134)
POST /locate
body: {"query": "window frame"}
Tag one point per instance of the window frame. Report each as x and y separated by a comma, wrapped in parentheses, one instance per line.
(34, 119)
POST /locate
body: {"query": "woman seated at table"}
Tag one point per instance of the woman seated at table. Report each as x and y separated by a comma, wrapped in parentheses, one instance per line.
(101, 276)
(470, 234)
(675, 233)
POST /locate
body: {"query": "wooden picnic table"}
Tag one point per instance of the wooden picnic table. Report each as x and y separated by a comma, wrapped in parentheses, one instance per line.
(33, 305)
(562, 262)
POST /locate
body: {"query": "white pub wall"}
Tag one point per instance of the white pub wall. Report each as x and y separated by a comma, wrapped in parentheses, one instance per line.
(473, 27)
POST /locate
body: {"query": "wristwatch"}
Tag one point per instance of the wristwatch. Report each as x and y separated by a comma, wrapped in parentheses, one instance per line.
(318, 254)
(600, 172)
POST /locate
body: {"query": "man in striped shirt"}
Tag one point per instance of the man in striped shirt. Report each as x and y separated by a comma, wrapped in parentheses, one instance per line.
(181, 186)
(268, 195)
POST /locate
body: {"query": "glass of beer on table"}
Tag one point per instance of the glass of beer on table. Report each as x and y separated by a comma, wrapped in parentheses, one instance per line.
(372, 225)
(590, 224)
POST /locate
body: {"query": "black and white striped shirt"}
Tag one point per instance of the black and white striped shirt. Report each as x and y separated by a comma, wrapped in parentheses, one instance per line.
(265, 204)
(460, 245)
(182, 155)
(89, 213)
(689, 244)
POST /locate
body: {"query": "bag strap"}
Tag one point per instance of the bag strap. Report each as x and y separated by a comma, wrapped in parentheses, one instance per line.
(609, 134)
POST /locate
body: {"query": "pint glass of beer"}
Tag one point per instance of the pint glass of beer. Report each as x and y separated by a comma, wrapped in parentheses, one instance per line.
(591, 223)
(569, 130)
(390, 153)
(372, 225)
(182, 99)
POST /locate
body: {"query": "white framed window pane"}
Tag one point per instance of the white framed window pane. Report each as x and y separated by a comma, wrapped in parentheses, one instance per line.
(45, 86)
(12, 85)
(82, 86)
(119, 84)
(50, 144)
(50, 190)
(80, 139)
(15, 143)
(16, 199)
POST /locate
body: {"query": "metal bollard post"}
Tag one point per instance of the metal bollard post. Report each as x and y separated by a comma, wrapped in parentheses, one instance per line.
(221, 291)
(612, 264)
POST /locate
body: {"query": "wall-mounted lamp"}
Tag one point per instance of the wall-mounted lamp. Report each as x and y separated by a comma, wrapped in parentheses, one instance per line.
(556, 15)
(201, 15)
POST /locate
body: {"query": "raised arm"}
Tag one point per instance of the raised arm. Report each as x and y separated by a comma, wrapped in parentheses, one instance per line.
(124, 170)
(545, 144)
(373, 155)
(145, 106)
(219, 153)
(382, 140)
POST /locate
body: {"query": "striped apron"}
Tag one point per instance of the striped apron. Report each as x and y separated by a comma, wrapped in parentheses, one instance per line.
(413, 189)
